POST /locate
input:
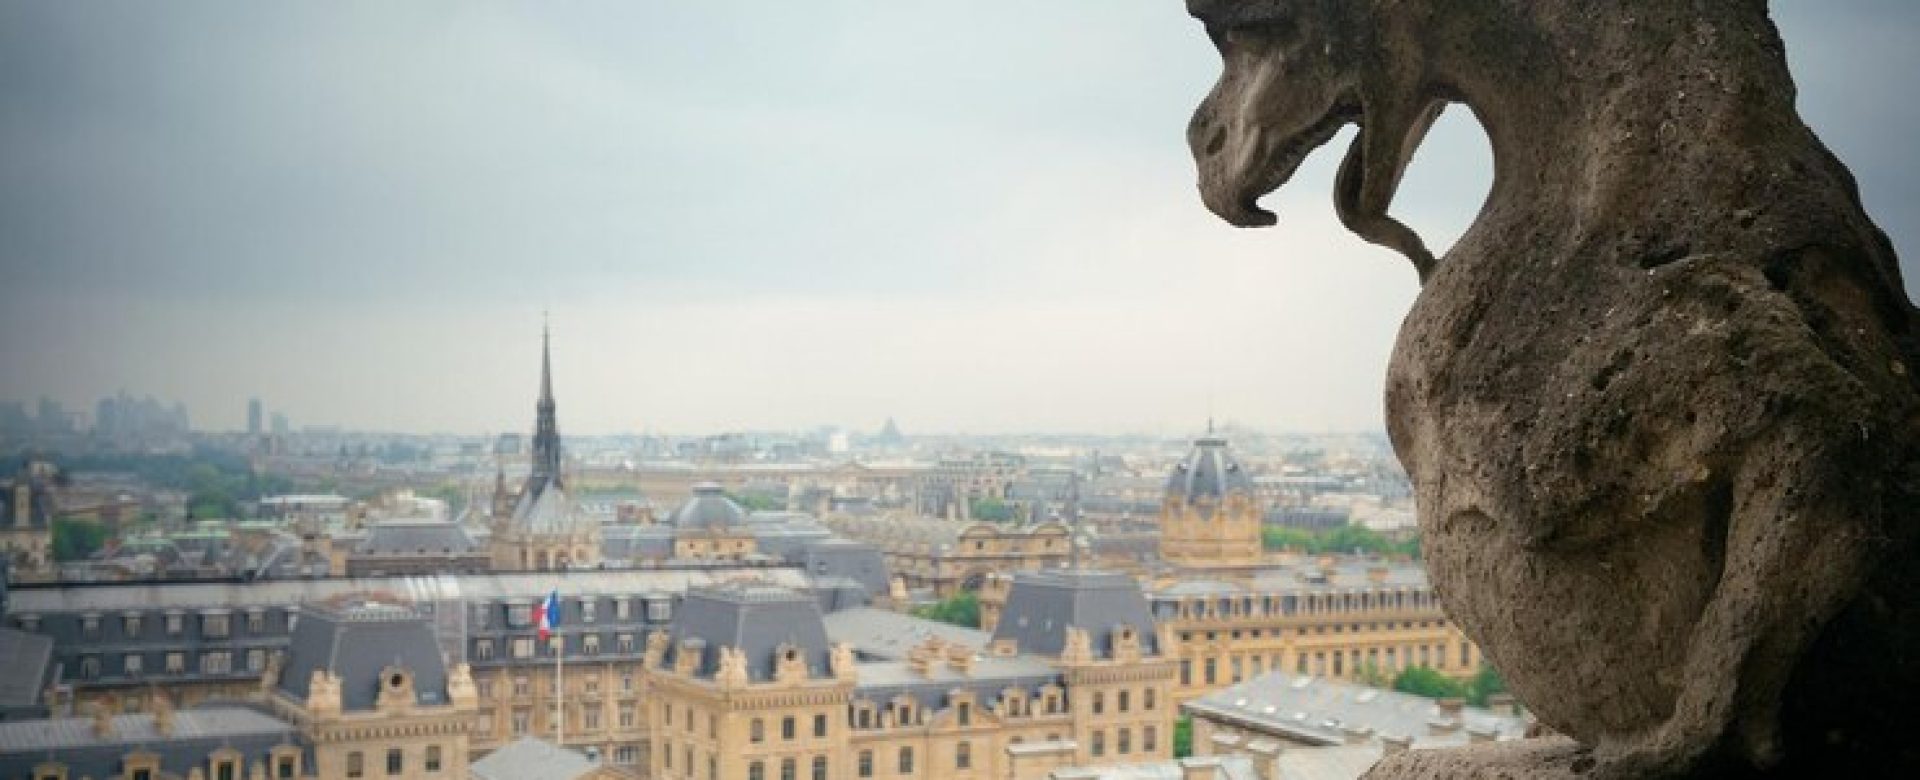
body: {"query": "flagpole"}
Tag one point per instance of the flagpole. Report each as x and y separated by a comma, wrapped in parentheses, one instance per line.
(559, 689)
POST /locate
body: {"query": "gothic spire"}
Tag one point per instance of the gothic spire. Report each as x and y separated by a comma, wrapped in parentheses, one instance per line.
(546, 431)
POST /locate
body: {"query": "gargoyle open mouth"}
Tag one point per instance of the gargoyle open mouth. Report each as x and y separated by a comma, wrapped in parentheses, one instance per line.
(1232, 187)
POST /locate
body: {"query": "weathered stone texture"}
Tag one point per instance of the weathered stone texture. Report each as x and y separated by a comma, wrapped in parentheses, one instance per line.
(1659, 403)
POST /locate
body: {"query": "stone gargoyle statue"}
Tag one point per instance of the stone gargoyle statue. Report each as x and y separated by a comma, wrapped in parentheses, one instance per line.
(1658, 403)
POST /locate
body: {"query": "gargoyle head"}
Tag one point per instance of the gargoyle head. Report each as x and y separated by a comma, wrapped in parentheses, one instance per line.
(1295, 72)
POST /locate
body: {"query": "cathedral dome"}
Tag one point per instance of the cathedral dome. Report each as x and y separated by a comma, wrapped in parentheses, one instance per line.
(709, 508)
(1208, 474)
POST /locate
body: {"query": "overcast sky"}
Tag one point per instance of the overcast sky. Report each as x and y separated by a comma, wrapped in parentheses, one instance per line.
(973, 217)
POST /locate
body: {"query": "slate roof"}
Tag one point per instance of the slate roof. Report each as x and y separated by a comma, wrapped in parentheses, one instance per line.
(415, 537)
(1208, 474)
(24, 675)
(757, 618)
(1316, 710)
(528, 758)
(708, 509)
(1041, 605)
(356, 643)
(108, 597)
(888, 635)
(138, 729)
(1208, 768)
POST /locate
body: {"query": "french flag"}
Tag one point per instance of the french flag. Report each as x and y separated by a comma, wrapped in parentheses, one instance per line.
(546, 614)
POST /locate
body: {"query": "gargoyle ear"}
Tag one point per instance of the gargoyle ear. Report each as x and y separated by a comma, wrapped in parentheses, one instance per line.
(1370, 174)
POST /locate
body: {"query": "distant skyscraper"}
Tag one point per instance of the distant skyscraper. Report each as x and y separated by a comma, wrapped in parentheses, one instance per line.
(253, 417)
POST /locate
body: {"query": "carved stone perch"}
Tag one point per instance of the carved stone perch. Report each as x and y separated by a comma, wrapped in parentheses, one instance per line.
(1658, 404)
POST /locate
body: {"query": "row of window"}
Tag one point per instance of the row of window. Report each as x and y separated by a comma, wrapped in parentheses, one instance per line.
(757, 728)
(1336, 663)
(526, 646)
(431, 761)
(1123, 741)
(1296, 604)
(520, 720)
(214, 623)
(92, 667)
(520, 614)
(522, 686)
(224, 764)
(1323, 628)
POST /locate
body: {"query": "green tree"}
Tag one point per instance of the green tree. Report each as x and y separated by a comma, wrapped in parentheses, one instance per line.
(961, 609)
(1344, 539)
(1428, 682)
(990, 509)
(758, 502)
(75, 539)
(1485, 683)
(1183, 736)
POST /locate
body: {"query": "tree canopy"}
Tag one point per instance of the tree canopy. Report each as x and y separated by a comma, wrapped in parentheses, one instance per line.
(1344, 539)
(961, 609)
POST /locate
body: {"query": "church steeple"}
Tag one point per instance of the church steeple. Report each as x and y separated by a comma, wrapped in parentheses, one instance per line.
(546, 431)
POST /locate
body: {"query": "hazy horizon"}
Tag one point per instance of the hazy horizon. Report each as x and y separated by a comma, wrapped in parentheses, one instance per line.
(973, 219)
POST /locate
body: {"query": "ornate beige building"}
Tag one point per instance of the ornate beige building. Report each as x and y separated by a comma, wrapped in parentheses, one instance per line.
(1210, 520)
(1345, 619)
(365, 685)
(947, 557)
(752, 682)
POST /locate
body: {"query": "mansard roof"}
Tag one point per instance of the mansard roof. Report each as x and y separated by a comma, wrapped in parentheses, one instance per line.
(758, 618)
(1209, 473)
(1042, 605)
(357, 642)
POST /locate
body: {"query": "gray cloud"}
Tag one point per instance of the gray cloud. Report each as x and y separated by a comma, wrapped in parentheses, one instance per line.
(972, 215)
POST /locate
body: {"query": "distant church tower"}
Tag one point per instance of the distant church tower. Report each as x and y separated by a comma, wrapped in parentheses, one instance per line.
(544, 530)
(1209, 519)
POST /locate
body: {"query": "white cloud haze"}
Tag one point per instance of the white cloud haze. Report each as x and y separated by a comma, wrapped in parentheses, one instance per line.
(972, 217)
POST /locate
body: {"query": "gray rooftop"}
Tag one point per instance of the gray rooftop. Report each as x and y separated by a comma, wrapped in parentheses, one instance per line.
(415, 537)
(1311, 709)
(888, 635)
(104, 598)
(24, 674)
(1208, 767)
(1042, 605)
(358, 642)
(527, 758)
(138, 729)
(708, 509)
(1208, 474)
(755, 617)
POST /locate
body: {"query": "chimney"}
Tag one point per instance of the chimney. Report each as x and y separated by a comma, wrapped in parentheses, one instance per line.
(102, 721)
(1199, 768)
(163, 717)
(1450, 707)
(960, 657)
(1506, 704)
(1377, 574)
(1392, 745)
(1004, 648)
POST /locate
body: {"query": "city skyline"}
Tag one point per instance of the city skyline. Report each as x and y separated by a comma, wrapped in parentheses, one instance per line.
(741, 217)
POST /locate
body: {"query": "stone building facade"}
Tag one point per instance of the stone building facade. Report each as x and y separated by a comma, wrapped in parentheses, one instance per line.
(1210, 519)
(945, 557)
(752, 682)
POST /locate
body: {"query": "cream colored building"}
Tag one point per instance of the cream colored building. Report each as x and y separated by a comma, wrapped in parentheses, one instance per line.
(753, 682)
